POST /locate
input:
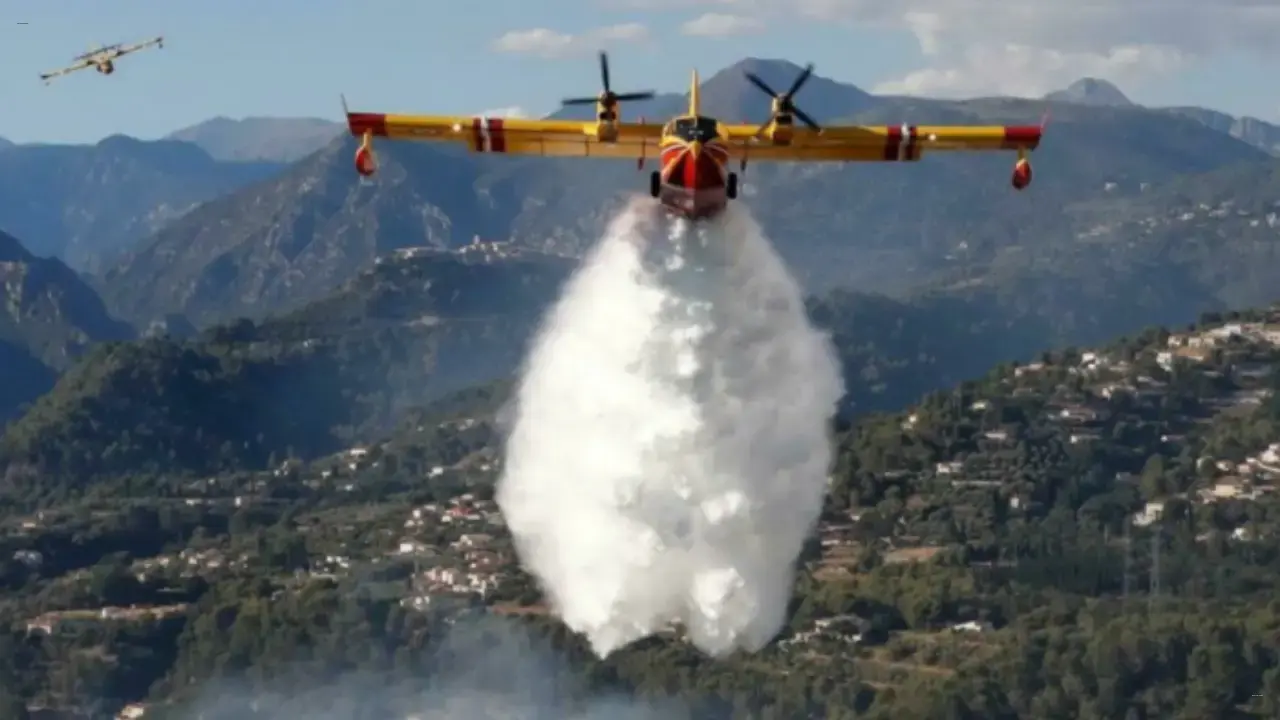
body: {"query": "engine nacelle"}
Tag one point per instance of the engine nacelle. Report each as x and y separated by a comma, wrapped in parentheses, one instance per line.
(106, 67)
(366, 163)
(1021, 174)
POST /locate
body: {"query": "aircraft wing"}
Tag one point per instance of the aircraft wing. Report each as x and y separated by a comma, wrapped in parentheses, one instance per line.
(125, 50)
(553, 138)
(881, 143)
(66, 70)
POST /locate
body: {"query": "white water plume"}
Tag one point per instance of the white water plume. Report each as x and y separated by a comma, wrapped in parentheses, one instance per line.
(671, 446)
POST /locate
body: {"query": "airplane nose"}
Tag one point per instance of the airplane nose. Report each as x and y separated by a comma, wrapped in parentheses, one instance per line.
(707, 173)
(695, 168)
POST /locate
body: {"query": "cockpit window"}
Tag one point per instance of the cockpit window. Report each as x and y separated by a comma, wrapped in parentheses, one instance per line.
(697, 129)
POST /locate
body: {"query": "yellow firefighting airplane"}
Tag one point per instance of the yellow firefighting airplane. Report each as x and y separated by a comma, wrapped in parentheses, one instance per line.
(694, 150)
(101, 58)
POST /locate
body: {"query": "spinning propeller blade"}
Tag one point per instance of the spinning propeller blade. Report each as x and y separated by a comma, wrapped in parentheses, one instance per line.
(608, 98)
(784, 103)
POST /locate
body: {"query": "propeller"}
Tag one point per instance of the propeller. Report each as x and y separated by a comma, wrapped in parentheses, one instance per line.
(609, 99)
(784, 103)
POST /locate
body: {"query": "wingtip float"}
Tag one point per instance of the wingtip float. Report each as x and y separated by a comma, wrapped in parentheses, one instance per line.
(694, 179)
(102, 59)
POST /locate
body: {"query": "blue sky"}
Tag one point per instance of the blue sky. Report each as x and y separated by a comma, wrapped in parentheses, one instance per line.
(293, 57)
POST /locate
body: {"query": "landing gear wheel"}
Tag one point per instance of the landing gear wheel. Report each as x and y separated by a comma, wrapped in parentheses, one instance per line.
(655, 183)
(731, 188)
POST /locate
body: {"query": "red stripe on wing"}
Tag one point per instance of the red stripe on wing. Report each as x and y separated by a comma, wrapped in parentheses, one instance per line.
(497, 137)
(892, 142)
(373, 123)
(1023, 136)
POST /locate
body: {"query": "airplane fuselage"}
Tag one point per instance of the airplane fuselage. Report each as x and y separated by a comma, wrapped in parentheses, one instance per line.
(694, 180)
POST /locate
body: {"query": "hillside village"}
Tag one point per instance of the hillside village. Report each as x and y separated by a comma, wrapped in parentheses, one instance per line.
(1082, 399)
(1269, 218)
(459, 550)
(460, 556)
(478, 250)
(1200, 215)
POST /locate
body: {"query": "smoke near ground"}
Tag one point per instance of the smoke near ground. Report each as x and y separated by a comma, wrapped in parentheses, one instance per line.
(484, 669)
(670, 447)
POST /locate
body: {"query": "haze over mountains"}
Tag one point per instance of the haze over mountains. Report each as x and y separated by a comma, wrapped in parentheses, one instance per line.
(86, 203)
(1092, 91)
(1138, 216)
(263, 139)
(50, 318)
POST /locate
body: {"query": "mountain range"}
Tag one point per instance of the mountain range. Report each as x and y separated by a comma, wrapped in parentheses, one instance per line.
(260, 139)
(85, 204)
(1138, 216)
(114, 196)
(1092, 91)
(278, 244)
(50, 318)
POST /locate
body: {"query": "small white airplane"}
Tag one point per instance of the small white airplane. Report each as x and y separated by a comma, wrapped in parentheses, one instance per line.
(101, 58)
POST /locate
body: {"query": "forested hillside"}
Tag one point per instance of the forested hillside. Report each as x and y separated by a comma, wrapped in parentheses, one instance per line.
(247, 395)
(1084, 535)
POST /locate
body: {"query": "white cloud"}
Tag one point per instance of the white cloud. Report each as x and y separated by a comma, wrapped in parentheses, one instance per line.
(721, 25)
(1034, 46)
(1024, 71)
(546, 43)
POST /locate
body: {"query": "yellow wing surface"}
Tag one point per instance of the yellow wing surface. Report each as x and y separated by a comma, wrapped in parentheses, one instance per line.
(554, 138)
(570, 138)
(877, 143)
